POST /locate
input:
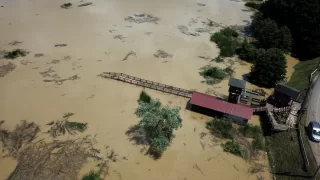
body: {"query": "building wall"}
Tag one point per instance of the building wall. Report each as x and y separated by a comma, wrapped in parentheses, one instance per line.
(236, 119)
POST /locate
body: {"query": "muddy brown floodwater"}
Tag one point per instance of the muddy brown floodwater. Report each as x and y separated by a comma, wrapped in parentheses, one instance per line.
(83, 42)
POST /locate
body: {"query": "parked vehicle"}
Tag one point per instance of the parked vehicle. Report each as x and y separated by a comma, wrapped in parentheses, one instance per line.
(314, 131)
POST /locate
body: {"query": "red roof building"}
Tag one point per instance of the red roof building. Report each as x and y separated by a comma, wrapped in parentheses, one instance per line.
(213, 103)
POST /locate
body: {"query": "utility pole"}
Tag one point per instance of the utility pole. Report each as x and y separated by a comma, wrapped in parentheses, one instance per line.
(316, 172)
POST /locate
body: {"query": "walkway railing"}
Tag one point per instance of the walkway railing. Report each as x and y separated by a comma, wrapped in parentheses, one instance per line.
(146, 83)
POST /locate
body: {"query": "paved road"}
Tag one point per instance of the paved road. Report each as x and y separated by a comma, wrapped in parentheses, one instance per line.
(314, 115)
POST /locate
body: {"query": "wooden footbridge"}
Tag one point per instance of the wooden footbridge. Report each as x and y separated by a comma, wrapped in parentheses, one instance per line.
(269, 109)
(147, 84)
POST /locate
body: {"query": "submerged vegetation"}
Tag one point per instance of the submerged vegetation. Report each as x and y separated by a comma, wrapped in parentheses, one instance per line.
(81, 127)
(239, 144)
(227, 41)
(221, 128)
(15, 53)
(214, 75)
(158, 123)
(233, 147)
(144, 97)
(93, 175)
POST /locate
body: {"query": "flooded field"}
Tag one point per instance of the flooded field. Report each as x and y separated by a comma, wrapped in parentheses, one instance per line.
(69, 47)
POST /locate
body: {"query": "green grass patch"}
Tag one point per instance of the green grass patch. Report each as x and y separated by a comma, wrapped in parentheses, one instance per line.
(93, 175)
(300, 76)
(251, 131)
(15, 53)
(144, 97)
(81, 127)
(227, 41)
(255, 132)
(233, 148)
(221, 128)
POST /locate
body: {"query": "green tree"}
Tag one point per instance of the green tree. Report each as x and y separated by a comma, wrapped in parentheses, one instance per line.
(247, 52)
(284, 39)
(158, 123)
(268, 34)
(269, 69)
(302, 19)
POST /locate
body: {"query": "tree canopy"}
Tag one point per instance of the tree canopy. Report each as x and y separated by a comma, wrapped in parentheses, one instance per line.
(269, 68)
(302, 17)
(158, 122)
(269, 35)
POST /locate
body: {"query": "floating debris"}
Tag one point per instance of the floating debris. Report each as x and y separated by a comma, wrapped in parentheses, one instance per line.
(60, 45)
(15, 43)
(142, 18)
(120, 37)
(131, 53)
(185, 30)
(66, 5)
(39, 55)
(201, 4)
(85, 4)
(5, 69)
(60, 81)
(162, 54)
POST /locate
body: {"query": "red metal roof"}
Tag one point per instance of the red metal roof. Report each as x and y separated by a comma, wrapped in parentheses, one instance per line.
(211, 102)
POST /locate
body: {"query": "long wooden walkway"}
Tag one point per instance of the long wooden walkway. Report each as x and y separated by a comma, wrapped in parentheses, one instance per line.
(146, 83)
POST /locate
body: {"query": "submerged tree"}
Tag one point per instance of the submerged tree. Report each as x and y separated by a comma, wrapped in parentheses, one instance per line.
(158, 122)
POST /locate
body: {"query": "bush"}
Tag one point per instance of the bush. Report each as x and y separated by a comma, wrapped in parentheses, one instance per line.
(15, 53)
(251, 131)
(144, 97)
(229, 70)
(227, 42)
(221, 128)
(213, 72)
(81, 127)
(269, 69)
(92, 176)
(255, 132)
(258, 143)
(214, 75)
(253, 5)
(218, 59)
(233, 148)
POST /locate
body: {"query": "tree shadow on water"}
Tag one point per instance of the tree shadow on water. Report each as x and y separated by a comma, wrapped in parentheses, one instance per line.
(137, 135)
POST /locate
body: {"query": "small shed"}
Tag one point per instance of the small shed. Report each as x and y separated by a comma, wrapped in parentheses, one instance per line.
(238, 112)
(283, 95)
(236, 87)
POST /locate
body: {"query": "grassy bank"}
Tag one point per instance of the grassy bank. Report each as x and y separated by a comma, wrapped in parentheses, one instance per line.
(285, 154)
(299, 79)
